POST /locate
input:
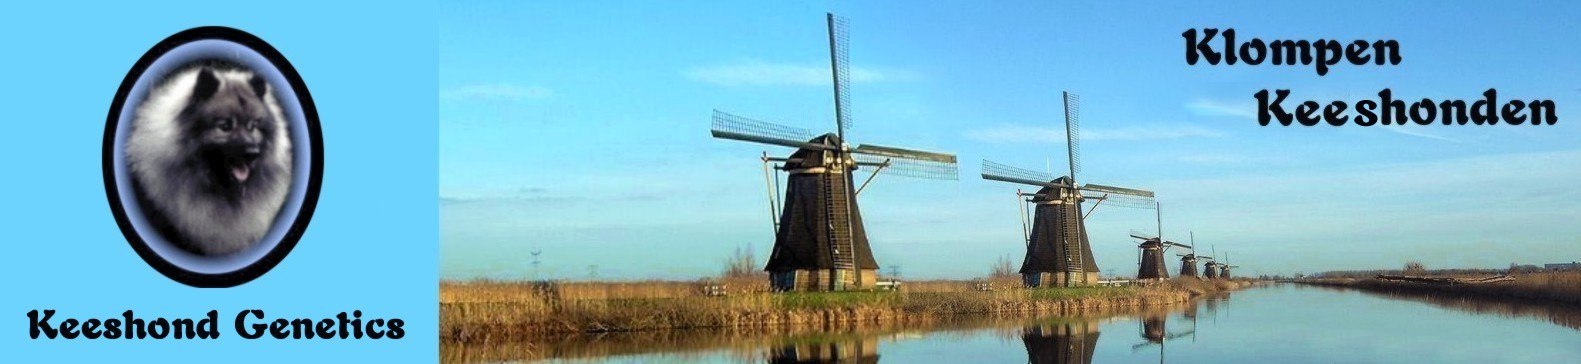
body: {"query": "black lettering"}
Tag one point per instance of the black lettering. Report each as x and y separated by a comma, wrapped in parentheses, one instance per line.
(208, 327)
(373, 328)
(159, 328)
(1392, 109)
(1286, 52)
(112, 329)
(1254, 58)
(1366, 116)
(1417, 112)
(277, 328)
(1356, 53)
(1544, 109)
(1454, 111)
(301, 327)
(325, 328)
(68, 329)
(396, 332)
(1482, 110)
(344, 331)
(37, 325)
(134, 325)
(1306, 113)
(1328, 53)
(90, 328)
(1512, 112)
(1334, 113)
(1194, 48)
(356, 326)
(241, 324)
(183, 328)
(1264, 108)
(1389, 47)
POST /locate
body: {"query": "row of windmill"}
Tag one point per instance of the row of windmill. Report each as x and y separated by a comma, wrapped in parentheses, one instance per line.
(820, 242)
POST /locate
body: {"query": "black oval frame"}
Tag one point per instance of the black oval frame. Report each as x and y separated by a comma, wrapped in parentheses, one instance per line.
(315, 175)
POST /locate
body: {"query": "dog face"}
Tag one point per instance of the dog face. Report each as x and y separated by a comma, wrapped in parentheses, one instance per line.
(230, 128)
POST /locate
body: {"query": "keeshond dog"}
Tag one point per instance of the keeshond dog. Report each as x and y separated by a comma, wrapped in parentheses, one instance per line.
(210, 158)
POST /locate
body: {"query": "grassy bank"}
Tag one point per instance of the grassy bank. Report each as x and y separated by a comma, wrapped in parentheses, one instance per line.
(1550, 287)
(485, 311)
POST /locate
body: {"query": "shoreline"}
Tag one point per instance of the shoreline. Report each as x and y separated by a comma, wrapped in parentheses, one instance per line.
(1546, 288)
(485, 311)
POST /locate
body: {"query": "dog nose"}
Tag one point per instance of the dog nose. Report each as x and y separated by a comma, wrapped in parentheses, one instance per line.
(252, 151)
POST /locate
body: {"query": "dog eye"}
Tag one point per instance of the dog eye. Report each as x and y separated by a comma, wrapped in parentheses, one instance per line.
(225, 124)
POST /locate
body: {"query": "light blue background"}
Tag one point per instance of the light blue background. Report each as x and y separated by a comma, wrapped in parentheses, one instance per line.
(372, 243)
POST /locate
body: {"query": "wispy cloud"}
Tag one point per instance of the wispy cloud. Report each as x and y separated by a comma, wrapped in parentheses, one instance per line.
(1035, 134)
(759, 73)
(1206, 107)
(495, 91)
(1407, 130)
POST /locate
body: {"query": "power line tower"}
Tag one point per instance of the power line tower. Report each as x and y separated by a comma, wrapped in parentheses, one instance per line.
(535, 264)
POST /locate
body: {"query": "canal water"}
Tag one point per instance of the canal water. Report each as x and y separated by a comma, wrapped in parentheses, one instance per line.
(1281, 323)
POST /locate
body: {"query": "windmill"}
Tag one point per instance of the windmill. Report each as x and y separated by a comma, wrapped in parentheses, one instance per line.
(1224, 269)
(1150, 262)
(1058, 251)
(819, 240)
(1188, 260)
(1210, 270)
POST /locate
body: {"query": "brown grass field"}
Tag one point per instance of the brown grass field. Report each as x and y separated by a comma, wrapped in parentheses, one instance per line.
(1563, 287)
(493, 311)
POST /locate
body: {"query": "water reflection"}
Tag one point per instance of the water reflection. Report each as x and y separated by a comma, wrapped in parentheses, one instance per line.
(1261, 328)
(1068, 342)
(853, 350)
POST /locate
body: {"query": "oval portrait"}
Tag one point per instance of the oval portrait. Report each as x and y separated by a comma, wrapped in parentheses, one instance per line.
(212, 157)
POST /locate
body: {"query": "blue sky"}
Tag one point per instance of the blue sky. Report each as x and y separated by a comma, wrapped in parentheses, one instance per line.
(581, 129)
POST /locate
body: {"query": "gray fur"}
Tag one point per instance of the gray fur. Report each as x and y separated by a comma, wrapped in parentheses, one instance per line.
(171, 155)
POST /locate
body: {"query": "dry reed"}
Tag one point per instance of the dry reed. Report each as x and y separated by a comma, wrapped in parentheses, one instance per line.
(491, 311)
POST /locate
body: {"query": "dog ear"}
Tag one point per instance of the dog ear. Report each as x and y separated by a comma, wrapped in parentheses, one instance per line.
(206, 85)
(259, 86)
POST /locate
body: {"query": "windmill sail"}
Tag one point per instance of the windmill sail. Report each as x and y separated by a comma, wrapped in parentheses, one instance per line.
(735, 127)
(840, 60)
(1006, 173)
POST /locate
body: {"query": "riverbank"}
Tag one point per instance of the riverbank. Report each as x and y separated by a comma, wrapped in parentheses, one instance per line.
(1562, 288)
(489, 311)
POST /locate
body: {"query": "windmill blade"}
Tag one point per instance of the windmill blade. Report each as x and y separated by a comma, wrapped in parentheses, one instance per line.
(1006, 173)
(904, 153)
(1073, 132)
(1171, 243)
(735, 127)
(916, 168)
(1116, 190)
(1142, 235)
(1128, 201)
(840, 59)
